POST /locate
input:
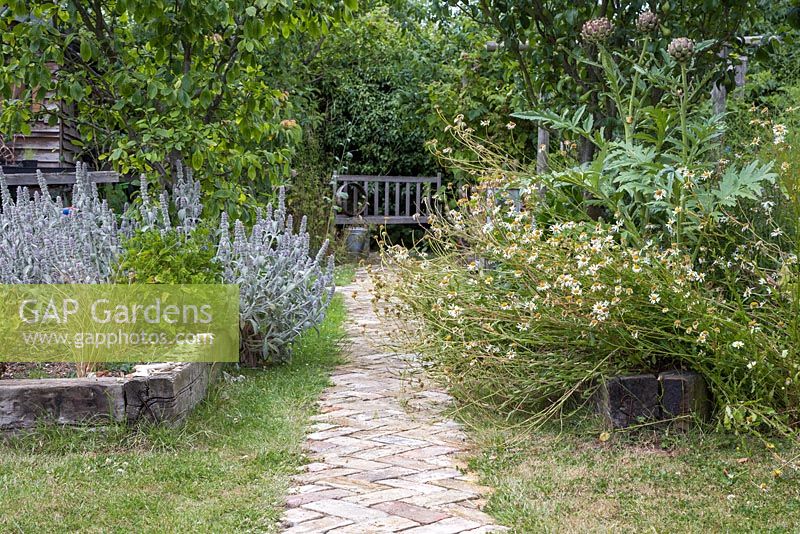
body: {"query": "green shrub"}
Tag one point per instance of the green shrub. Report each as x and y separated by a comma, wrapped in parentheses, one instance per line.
(310, 194)
(370, 101)
(168, 257)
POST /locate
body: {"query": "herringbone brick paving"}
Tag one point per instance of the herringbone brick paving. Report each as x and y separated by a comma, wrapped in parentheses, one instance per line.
(384, 459)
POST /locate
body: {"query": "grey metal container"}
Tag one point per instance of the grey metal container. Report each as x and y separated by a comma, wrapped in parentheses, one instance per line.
(357, 240)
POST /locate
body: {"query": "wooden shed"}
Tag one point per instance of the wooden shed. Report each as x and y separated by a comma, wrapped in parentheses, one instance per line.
(50, 146)
(48, 149)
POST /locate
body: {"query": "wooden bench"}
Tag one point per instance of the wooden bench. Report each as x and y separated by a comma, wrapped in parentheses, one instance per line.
(385, 199)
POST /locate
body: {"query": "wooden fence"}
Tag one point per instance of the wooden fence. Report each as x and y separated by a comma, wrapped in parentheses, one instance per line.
(385, 199)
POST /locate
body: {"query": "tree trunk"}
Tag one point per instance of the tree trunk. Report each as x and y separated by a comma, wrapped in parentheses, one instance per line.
(250, 347)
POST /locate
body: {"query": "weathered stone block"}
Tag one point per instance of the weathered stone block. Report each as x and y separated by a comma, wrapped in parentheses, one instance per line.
(625, 400)
(683, 393)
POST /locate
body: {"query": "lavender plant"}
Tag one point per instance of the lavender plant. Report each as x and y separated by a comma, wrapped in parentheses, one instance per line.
(284, 291)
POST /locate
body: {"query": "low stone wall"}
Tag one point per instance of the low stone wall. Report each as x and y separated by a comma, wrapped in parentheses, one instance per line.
(164, 392)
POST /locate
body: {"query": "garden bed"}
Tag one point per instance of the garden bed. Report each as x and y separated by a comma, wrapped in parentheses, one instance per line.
(164, 392)
(19, 370)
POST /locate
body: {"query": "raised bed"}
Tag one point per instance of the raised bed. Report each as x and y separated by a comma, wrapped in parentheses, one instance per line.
(164, 392)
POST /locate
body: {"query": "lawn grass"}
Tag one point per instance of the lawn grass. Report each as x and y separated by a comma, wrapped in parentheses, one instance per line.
(345, 274)
(567, 480)
(226, 470)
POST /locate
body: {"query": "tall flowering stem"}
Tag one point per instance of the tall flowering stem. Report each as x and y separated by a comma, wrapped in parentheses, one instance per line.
(630, 120)
(682, 191)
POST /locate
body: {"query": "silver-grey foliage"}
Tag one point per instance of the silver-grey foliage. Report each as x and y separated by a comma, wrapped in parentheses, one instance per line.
(44, 242)
(186, 199)
(284, 291)
(186, 195)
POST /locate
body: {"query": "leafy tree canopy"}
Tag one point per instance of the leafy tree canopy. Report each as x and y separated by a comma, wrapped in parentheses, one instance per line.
(150, 81)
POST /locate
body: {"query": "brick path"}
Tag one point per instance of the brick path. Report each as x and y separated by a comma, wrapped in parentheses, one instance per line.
(383, 459)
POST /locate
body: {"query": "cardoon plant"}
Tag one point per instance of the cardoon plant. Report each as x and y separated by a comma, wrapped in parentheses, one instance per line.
(597, 30)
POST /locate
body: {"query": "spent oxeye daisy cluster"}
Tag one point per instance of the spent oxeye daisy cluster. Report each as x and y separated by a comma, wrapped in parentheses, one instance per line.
(769, 126)
(778, 134)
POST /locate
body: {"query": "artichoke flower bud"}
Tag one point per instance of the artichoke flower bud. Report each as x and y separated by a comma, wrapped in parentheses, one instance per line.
(681, 49)
(597, 30)
(647, 22)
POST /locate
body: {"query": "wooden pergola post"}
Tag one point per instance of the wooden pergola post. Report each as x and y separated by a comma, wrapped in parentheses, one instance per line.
(542, 147)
